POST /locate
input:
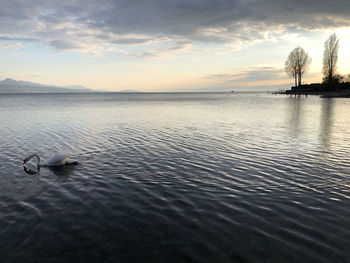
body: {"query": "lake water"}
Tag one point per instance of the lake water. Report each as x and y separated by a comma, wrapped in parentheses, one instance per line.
(220, 177)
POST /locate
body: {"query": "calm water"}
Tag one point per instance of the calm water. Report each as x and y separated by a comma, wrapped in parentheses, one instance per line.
(176, 178)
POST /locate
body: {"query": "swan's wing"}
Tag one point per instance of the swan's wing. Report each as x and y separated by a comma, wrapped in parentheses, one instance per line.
(58, 159)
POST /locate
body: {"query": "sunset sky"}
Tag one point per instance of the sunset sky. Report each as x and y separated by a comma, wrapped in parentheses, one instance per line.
(167, 45)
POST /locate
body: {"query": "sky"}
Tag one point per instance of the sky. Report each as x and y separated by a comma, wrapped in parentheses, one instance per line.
(168, 45)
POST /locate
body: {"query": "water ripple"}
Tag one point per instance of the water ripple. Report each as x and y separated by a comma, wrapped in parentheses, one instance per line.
(176, 178)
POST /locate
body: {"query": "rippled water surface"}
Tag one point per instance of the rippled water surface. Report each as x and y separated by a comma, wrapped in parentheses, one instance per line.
(176, 178)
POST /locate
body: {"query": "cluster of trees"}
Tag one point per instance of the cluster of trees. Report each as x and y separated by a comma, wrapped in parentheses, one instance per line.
(298, 63)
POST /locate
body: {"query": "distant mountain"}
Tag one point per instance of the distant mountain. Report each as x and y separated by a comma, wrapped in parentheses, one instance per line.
(18, 82)
(19, 86)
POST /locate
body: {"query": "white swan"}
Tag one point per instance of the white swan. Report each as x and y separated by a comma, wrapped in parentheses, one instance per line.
(58, 159)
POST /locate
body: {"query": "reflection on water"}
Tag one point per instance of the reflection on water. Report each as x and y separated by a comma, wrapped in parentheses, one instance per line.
(326, 122)
(302, 116)
(30, 170)
(296, 113)
(176, 178)
(63, 171)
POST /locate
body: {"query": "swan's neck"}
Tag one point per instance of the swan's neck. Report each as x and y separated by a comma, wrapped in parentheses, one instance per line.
(30, 157)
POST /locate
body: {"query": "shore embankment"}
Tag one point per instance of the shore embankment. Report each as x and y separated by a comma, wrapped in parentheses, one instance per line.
(341, 90)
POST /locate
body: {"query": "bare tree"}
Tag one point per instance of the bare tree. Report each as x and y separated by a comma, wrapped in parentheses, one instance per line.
(291, 67)
(297, 64)
(330, 58)
(303, 62)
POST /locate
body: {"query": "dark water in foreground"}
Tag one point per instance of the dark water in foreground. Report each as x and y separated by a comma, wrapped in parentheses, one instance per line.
(176, 178)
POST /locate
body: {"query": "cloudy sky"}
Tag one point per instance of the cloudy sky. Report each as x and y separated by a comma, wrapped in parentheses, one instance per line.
(167, 45)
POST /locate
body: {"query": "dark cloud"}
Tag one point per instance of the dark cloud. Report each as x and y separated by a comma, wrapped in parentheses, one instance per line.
(25, 39)
(250, 75)
(214, 21)
(63, 45)
(132, 41)
(198, 19)
(175, 48)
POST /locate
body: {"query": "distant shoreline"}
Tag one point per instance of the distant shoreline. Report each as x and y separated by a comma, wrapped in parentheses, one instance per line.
(141, 92)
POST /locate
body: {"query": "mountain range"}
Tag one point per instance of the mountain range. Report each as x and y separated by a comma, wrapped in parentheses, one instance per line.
(19, 86)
